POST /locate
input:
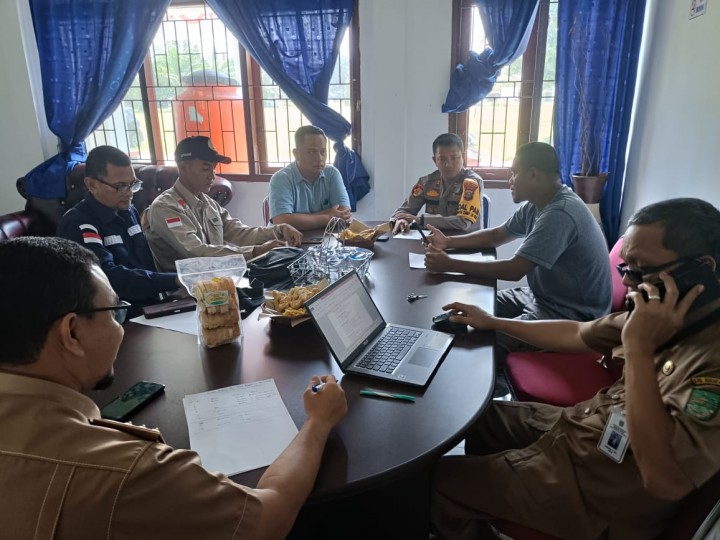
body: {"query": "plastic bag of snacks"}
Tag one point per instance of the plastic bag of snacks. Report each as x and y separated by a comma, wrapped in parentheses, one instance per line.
(213, 281)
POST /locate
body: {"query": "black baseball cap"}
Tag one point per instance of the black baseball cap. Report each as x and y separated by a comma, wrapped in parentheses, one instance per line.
(199, 147)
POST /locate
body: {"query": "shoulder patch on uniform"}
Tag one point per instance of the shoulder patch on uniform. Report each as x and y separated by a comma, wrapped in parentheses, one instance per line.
(90, 237)
(702, 404)
(417, 190)
(88, 227)
(470, 206)
(706, 381)
(173, 222)
(140, 432)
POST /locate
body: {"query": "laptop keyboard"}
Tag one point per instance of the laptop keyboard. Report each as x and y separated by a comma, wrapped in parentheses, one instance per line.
(387, 353)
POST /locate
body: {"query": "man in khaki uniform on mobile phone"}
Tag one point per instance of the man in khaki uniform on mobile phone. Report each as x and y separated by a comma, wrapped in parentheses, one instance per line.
(68, 474)
(617, 465)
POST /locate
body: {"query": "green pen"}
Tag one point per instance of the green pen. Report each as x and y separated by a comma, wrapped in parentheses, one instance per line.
(378, 393)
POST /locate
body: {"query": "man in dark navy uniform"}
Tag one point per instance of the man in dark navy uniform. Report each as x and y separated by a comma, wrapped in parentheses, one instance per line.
(107, 223)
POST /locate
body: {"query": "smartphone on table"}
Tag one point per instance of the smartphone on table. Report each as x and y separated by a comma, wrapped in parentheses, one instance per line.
(131, 401)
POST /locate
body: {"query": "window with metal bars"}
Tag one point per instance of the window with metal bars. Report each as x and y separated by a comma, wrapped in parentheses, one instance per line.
(198, 80)
(519, 109)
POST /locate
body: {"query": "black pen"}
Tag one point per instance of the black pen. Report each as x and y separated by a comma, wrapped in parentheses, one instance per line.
(422, 233)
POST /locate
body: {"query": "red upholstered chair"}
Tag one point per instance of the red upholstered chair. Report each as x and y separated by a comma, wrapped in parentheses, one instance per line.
(565, 379)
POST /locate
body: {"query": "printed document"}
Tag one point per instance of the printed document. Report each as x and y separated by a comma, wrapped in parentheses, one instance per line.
(239, 428)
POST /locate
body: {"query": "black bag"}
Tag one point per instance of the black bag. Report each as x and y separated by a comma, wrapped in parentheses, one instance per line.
(272, 268)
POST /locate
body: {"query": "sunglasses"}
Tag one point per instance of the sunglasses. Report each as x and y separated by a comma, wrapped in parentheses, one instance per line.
(637, 275)
(134, 187)
(120, 311)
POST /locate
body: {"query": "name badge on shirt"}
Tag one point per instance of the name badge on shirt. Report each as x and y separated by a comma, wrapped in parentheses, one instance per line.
(112, 240)
(135, 229)
(615, 437)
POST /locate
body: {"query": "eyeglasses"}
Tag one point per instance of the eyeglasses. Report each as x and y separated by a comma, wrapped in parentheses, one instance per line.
(120, 311)
(636, 276)
(134, 187)
(448, 159)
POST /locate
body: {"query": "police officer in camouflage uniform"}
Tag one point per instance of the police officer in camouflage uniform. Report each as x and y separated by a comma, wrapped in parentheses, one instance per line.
(452, 195)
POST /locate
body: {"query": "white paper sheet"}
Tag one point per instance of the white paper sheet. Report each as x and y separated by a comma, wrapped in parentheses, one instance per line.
(179, 322)
(417, 260)
(410, 235)
(239, 428)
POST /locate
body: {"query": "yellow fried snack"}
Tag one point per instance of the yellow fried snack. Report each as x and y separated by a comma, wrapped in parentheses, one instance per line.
(290, 304)
(347, 234)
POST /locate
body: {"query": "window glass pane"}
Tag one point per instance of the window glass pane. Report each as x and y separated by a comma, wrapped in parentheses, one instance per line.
(493, 124)
(282, 118)
(195, 87)
(545, 128)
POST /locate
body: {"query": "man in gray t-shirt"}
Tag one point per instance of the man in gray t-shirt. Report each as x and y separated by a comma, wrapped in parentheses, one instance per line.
(564, 255)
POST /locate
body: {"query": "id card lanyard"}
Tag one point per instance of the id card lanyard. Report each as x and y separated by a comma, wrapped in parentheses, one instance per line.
(615, 437)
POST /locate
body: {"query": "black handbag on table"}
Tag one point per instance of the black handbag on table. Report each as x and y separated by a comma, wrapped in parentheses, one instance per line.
(272, 268)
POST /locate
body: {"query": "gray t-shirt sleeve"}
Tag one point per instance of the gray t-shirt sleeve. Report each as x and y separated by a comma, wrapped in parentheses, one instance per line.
(552, 234)
(517, 225)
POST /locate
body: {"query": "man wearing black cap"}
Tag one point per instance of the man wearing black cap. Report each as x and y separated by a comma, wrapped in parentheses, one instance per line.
(184, 222)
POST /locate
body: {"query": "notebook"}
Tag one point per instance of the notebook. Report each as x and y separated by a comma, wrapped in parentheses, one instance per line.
(351, 324)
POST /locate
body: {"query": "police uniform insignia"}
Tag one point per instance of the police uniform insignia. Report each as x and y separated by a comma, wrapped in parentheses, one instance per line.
(706, 381)
(469, 207)
(182, 202)
(433, 193)
(702, 404)
(668, 367)
(469, 188)
(417, 190)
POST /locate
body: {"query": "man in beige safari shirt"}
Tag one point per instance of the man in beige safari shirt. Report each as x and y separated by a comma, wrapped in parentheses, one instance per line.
(184, 222)
(615, 466)
(67, 474)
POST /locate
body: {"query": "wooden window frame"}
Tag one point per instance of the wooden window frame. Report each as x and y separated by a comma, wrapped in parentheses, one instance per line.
(532, 78)
(250, 70)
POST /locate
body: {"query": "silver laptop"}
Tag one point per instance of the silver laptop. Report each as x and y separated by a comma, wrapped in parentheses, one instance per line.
(363, 343)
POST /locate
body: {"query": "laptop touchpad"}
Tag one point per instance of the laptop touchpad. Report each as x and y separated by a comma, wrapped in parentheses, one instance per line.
(422, 357)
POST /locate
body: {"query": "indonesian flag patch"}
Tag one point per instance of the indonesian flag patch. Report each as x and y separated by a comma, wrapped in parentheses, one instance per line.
(173, 222)
(90, 234)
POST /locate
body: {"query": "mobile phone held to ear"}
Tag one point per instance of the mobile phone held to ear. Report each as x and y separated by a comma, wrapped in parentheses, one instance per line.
(686, 277)
(131, 401)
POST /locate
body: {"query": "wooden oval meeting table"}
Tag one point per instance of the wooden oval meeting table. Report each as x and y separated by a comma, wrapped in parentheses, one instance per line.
(382, 452)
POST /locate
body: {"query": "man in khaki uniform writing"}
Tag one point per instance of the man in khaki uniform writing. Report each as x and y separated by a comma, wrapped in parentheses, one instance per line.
(68, 474)
(184, 222)
(452, 195)
(617, 465)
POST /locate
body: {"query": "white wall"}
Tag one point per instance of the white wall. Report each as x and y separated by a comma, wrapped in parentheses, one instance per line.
(676, 138)
(20, 140)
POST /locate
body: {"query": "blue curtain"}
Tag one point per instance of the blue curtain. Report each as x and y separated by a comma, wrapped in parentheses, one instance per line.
(297, 43)
(508, 25)
(597, 58)
(89, 53)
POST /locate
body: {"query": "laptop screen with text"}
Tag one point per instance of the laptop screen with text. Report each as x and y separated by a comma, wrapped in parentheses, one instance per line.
(346, 315)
